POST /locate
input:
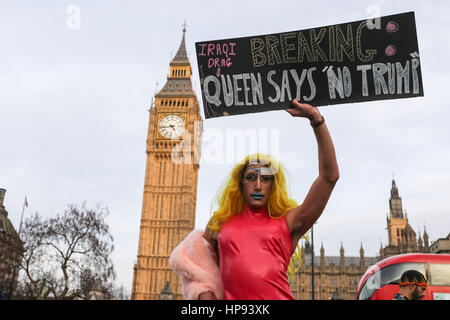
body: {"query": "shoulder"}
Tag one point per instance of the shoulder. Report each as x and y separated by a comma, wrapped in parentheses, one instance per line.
(399, 296)
(210, 235)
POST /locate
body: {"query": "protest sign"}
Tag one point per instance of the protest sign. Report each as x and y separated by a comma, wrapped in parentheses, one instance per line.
(359, 61)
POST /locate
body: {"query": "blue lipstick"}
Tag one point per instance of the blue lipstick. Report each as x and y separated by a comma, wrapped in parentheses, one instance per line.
(257, 196)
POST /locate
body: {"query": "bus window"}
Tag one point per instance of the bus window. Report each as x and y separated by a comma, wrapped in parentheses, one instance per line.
(440, 274)
(370, 286)
(391, 274)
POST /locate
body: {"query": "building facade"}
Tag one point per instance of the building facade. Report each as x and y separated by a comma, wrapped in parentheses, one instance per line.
(11, 251)
(441, 246)
(170, 189)
(335, 277)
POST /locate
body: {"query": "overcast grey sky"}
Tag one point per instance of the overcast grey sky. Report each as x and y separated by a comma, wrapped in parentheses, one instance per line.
(74, 100)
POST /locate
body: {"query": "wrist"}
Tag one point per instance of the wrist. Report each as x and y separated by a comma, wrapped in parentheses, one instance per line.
(316, 119)
(318, 123)
(315, 116)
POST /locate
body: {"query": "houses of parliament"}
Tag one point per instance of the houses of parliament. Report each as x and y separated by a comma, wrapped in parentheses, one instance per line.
(337, 277)
(169, 205)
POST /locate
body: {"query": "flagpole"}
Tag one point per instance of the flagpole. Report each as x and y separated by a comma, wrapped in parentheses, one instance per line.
(21, 218)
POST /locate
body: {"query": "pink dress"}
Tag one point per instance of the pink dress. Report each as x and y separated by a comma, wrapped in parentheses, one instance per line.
(255, 251)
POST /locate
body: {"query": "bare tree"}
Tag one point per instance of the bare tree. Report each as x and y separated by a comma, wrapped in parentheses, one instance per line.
(91, 284)
(34, 257)
(60, 250)
(86, 284)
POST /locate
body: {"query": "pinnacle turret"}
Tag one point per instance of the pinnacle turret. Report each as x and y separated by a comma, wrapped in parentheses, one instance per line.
(180, 71)
(181, 55)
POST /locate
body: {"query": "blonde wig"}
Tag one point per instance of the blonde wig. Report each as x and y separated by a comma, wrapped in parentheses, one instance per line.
(230, 199)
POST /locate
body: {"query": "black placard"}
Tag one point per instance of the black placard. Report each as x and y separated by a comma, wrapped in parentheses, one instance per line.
(366, 60)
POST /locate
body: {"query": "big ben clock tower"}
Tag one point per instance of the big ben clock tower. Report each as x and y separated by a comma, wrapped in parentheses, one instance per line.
(170, 189)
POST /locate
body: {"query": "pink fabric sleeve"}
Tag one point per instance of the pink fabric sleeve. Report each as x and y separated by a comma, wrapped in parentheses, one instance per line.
(195, 261)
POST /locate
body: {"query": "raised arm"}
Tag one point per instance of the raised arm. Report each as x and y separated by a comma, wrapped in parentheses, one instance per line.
(301, 218)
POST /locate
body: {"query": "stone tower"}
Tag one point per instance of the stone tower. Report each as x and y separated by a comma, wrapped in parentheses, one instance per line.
(402, 237)
(396, 221)
(170, 189)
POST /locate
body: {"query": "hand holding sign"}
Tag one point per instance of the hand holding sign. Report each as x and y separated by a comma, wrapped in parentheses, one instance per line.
(304, 110)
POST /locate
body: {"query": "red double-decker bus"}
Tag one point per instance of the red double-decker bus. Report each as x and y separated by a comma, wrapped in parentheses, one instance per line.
(380, 282)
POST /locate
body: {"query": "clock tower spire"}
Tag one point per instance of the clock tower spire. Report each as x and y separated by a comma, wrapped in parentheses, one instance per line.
(170, 188)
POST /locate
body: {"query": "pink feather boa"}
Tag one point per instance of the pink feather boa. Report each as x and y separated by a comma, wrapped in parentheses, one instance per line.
(195, 261)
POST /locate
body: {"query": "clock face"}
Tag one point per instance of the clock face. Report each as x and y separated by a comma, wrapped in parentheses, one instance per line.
(171, 126)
